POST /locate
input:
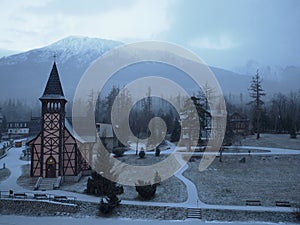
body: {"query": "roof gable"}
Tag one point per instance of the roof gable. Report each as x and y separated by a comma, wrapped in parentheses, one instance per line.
(53, 89)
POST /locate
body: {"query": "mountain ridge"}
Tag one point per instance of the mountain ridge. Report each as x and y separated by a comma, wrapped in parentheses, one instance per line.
(24, 75)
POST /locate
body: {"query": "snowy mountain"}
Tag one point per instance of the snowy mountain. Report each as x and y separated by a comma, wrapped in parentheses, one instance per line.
(24, 75)
(266, 71)
(80, 49)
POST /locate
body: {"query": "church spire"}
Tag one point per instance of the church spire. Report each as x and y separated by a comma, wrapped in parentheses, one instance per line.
(53, 89)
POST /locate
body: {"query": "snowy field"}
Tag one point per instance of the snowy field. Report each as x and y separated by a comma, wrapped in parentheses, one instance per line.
(266, 178)
(271, 140)
(21, 220)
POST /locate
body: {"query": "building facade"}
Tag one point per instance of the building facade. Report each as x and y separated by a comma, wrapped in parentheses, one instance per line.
(55, 150)
(18, 128)
(239, 124)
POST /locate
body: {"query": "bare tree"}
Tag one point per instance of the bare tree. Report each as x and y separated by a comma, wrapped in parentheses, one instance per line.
(256, 93)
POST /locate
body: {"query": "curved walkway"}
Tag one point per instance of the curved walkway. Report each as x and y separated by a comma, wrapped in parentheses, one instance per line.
(271, 151)
(13, 162)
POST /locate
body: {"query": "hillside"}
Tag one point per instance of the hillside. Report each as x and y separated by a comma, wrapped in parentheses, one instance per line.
(24, 75)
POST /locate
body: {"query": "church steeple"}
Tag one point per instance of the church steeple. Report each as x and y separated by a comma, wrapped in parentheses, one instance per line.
(53, 123)
(53, 89)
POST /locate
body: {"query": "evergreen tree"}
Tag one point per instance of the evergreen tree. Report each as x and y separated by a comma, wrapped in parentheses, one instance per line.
(103, 182)
(256, 93)
(189, 120)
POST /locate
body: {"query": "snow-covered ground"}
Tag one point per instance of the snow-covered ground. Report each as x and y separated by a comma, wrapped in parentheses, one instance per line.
(20, 220)
(271, 140)
(3, 143)
(132, 150)
(13, 163)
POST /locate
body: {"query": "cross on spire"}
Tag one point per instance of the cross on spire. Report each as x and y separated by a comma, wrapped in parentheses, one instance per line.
(54, 57)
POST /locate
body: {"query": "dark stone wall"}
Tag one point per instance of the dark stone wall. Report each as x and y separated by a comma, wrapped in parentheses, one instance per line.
(34, 208)
(78, 208)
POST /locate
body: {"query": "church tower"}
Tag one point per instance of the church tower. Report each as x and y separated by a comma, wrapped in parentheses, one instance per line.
(53, 123)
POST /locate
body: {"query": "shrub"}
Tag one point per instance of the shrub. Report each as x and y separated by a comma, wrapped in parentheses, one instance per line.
(109, 204)
(146, 190)
(118, 152)
(293, 134)
(108, 190)
(142, 154)
(157, 151)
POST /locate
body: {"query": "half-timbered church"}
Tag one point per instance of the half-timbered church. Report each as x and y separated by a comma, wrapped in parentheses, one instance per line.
(55, 150)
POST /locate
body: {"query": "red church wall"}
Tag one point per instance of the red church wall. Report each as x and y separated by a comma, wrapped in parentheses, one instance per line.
(71, 156)
(35, 146)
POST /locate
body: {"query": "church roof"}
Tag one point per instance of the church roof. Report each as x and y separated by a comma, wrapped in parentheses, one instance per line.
(69, 127)
(53, 89)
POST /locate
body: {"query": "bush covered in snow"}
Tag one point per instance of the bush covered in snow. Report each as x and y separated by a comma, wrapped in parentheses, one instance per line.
(146, 190)
(142, 154)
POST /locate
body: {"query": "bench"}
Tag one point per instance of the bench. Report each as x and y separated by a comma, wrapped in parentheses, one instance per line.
(40, 196)
(60, 197)
(283, 203)
(253, 202)
(20, 195)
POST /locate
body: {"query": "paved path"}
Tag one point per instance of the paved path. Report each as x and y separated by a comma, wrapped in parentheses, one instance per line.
(13, 163)
(271, 151)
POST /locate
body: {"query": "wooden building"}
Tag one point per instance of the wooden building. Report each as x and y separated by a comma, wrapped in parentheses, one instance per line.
(239, 124)
(107, 136)
(55, 150)
(18, 129)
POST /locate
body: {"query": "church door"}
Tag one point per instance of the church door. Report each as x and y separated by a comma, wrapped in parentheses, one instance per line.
(50, 167)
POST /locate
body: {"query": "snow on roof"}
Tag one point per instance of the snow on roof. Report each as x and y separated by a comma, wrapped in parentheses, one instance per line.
(79, 138)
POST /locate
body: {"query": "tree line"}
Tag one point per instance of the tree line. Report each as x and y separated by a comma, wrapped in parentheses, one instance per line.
(276, 113)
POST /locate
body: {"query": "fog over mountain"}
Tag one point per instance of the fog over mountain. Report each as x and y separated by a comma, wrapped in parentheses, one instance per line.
(24, 75)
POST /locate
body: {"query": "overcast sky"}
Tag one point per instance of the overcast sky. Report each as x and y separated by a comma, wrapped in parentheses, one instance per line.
(224, 33)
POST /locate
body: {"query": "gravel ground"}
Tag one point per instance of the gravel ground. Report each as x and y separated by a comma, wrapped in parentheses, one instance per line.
(4, 174)
(265, 178)
(271, 140)
(170, 190)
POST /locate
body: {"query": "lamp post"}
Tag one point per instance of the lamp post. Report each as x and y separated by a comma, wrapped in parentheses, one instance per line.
(101, 185)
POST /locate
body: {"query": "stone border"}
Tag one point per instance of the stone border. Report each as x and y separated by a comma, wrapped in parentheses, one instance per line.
(35, 208)
(81, 209)
(248, 215)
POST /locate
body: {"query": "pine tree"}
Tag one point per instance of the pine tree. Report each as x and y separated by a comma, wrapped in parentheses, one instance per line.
(192, 119)
(103, 182)
(256, 93)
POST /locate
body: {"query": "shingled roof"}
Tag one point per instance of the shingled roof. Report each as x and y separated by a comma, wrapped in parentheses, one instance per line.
(53, 88)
